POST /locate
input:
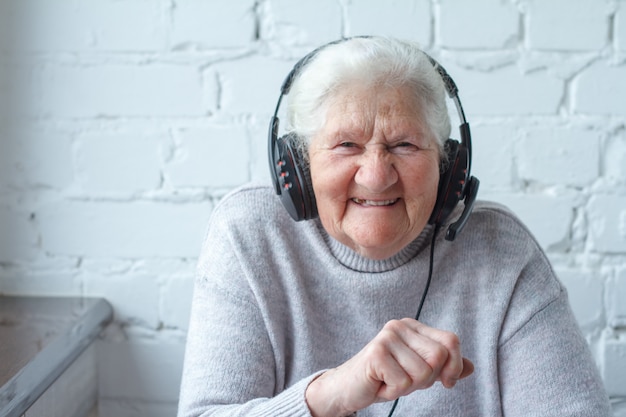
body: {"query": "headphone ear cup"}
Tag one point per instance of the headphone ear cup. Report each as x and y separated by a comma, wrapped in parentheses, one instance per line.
(293, 180)
(451, 182)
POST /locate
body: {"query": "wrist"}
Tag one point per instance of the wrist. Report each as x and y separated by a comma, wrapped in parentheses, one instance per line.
(322, 399)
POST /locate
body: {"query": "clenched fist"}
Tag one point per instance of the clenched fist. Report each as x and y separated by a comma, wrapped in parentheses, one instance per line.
(405, 356)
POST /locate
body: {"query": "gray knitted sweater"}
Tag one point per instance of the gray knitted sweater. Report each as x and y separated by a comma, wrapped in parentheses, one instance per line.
(276, 302)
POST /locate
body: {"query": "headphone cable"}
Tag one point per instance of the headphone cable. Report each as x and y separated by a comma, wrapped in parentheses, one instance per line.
(421, 304)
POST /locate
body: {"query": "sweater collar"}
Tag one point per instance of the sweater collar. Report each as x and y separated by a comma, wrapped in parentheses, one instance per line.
(351, 259)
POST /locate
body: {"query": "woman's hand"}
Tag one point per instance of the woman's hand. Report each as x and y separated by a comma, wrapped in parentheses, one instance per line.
(405, 356)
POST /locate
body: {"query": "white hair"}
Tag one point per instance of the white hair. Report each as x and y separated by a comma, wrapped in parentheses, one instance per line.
(369, 62)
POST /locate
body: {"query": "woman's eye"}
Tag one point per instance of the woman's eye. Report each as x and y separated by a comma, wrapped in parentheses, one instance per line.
(347, 148)
(404, 147)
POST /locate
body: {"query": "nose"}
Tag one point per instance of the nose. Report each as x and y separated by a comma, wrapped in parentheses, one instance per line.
(376, 171)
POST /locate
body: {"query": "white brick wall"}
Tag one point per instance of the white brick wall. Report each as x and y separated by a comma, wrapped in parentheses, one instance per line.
(68, 91)
(484, 24)
(141, 114)
(409, 19)
(556, 24)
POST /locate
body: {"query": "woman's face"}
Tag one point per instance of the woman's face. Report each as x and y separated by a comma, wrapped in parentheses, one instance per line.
(375, 170)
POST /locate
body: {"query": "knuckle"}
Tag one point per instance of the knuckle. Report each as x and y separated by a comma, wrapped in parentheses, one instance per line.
(402, 385)
(452, 340)
(423, 379)
(375, 350)
(439, 356)
(407, 321)
(393, 325)
(391, 331)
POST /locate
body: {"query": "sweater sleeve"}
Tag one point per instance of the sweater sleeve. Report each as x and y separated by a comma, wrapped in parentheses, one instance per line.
(546, 368)
(542, 365)
(229, 367)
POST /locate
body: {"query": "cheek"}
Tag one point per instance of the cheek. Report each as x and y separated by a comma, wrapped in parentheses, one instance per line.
(423, 175)
(329, 177)
(433, 182)
(331, 187)
(328, 190)
(423, 185)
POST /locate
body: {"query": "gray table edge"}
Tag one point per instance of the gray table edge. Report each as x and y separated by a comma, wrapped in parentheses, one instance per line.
(25, 387)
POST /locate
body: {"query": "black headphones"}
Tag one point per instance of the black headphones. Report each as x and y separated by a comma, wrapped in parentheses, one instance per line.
(291, 176)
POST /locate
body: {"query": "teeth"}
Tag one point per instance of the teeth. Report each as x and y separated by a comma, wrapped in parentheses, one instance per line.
(374, 202)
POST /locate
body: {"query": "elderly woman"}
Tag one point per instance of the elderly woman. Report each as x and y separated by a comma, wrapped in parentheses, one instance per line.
(317, 318)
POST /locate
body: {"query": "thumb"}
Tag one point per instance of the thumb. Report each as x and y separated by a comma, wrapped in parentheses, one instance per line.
(468, 368)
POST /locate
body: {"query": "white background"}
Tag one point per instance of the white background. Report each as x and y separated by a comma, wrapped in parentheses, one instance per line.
(123, 122)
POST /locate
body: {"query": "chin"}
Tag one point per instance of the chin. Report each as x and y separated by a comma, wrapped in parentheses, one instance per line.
(382, 245)
(378, 250)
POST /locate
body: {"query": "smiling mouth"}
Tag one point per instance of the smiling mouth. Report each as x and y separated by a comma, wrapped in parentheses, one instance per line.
(376, 203)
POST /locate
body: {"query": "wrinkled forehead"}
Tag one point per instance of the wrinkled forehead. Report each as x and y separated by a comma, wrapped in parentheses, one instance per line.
(359, 111)
(361, 105)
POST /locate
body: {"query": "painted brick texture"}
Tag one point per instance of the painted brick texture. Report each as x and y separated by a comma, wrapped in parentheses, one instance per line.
(123, 123)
